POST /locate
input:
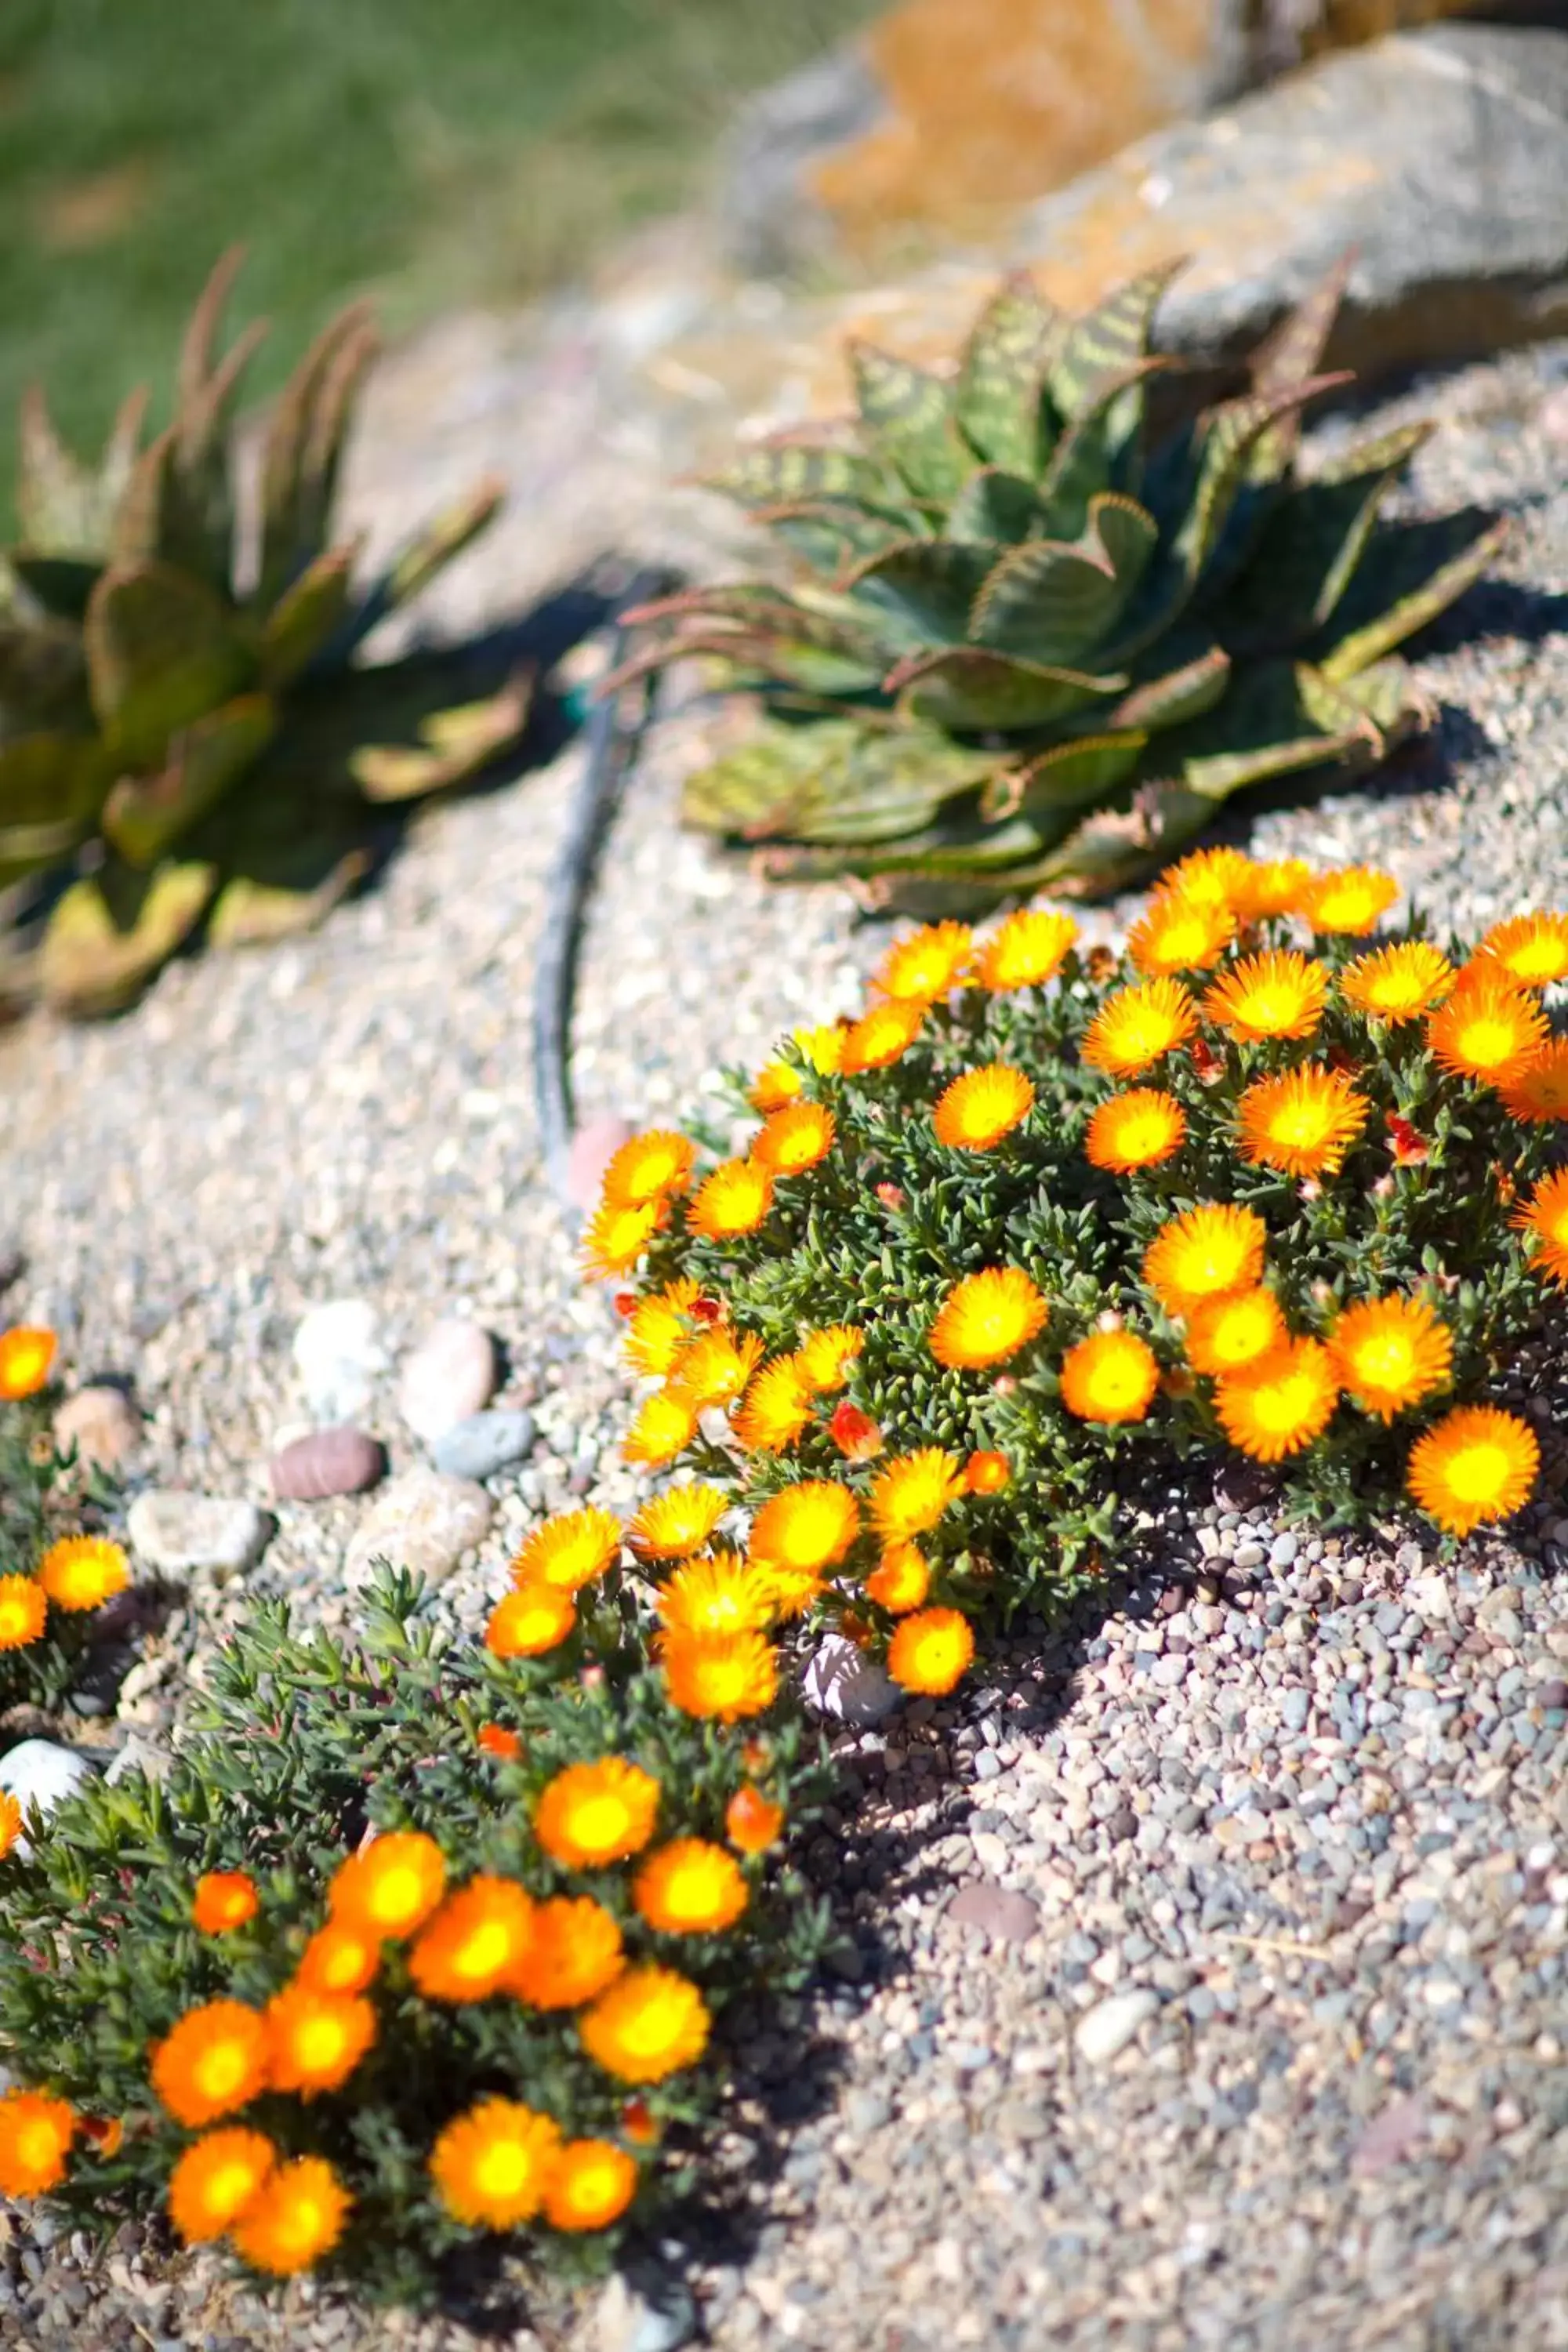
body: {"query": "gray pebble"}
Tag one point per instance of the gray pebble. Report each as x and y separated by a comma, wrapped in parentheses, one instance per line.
(484, 1443)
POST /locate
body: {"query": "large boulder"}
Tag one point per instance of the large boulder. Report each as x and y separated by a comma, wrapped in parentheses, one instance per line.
(950, 115)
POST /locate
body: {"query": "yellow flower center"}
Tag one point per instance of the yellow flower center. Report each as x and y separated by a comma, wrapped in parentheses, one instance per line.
(599, 1822)
(488, 1949)
(220, 2070)
(320, 2043)
(502, 2169)
(1488, 1039)
(1478, 1472)
(229, 2187)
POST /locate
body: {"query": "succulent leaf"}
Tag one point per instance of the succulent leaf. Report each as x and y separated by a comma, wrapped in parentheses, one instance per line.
(1108, 341)
(304, 443)
(995, 508)
(306, 616)
(1360, 648)
(43, 678)
(105, 941)
(906, 413)
(997, 401)
(161, 651)
(1187, 691)
(923, 589)
(61, 585)
(835, 781)
(143, 816)
(50, 789)
(251, 914)
(971, 690)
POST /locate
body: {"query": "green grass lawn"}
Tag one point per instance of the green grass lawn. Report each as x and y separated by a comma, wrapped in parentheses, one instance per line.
(428, 151)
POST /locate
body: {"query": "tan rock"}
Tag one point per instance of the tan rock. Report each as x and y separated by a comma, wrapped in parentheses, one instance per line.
(102, 1424)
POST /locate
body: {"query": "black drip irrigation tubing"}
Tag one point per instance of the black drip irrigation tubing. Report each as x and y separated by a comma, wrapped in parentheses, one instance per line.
(613, 734)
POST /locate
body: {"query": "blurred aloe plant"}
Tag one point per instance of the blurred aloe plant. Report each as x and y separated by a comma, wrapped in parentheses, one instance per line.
(1043, 622)
(182, 727)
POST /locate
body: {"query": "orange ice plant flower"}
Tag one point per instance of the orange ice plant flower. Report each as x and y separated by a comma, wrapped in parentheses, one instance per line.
(722, 1676)
(339, 1960)
(36, 2136)
(1302, 1122)
(650, 2024)
(392, 1887)
(925, 965)
(714, 1368)
(1275, 994)
(1205, 1252)
(212, 2062)
(931, 1651)
(1025, 951)
(900, 1581)
(1180, 934)
(296, 2215)
(1391, 1353)
(689, 1888)
(1543, 1221)
(315, 2039)
(23, 1611)
(982, 1106)
(1137, 1027)
(1228, 1334)
(1533, 949)
(911, 1494)
(592, 1814)
(475, 1942)
(1137, 1129)
(824, 1358)
(618, 1236)
(590, 2185)
(80, 1572)
(530, 1621)
(665, 1425)
(570, 1549)
(1278, 1407)
(224, 1899)
(733, 1200)
(1398, 983)
(808, 1526)
(673, 1525)
(777, 1409)
(1489, 1029)
(216, 2179)
(753, 1822)
(1348, 898)
(986, 1318)
(575, 1952)
(793, 1139)
(881, 1037)
(1538, 1094)
(1110, 1377)
(1478, 1465)
(27, 1359)
(648, 1168)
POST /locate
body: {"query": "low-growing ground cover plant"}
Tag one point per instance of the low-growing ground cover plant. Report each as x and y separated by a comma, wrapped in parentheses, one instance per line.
(58, 1570)
(1043, 619)
(1277, 1182)
(418, 1943)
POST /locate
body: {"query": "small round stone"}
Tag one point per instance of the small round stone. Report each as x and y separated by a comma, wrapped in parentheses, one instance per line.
(451, 1375)
(1105, 2030)
(328, 1462)
(41, 1772)
(102, 1423)
(484, 1443)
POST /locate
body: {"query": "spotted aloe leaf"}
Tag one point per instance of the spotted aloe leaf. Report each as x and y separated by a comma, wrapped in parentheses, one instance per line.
(111, 932)
(1051, 547)
(833, 781)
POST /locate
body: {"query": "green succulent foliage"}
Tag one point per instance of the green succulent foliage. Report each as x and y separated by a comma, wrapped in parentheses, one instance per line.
(180, 718)
(301, 1743)
(1043, 625)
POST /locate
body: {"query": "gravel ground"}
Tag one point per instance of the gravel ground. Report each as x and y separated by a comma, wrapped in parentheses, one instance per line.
(1303, 1800)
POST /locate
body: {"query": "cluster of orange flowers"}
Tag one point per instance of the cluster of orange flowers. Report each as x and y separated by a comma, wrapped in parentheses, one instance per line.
(1204, 980)
(501, 2163)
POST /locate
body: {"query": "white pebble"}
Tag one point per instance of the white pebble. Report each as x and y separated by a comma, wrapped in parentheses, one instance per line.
(1105, 2030)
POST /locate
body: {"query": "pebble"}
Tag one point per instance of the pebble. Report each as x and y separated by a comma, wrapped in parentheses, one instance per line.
(424, 1521)
(1105, 2030)
(175, 1532)
(343, 1460)
(1001, 1912)
(848, 1688)
(484, 1442)
(102, 1424)
(452, 1374)
(339, 1357)
(150, 1757)
(40, 1772)
(648, 2317)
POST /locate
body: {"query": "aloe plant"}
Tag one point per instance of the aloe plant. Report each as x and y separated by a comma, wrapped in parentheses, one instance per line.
(184, 733)
(1042, 623)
